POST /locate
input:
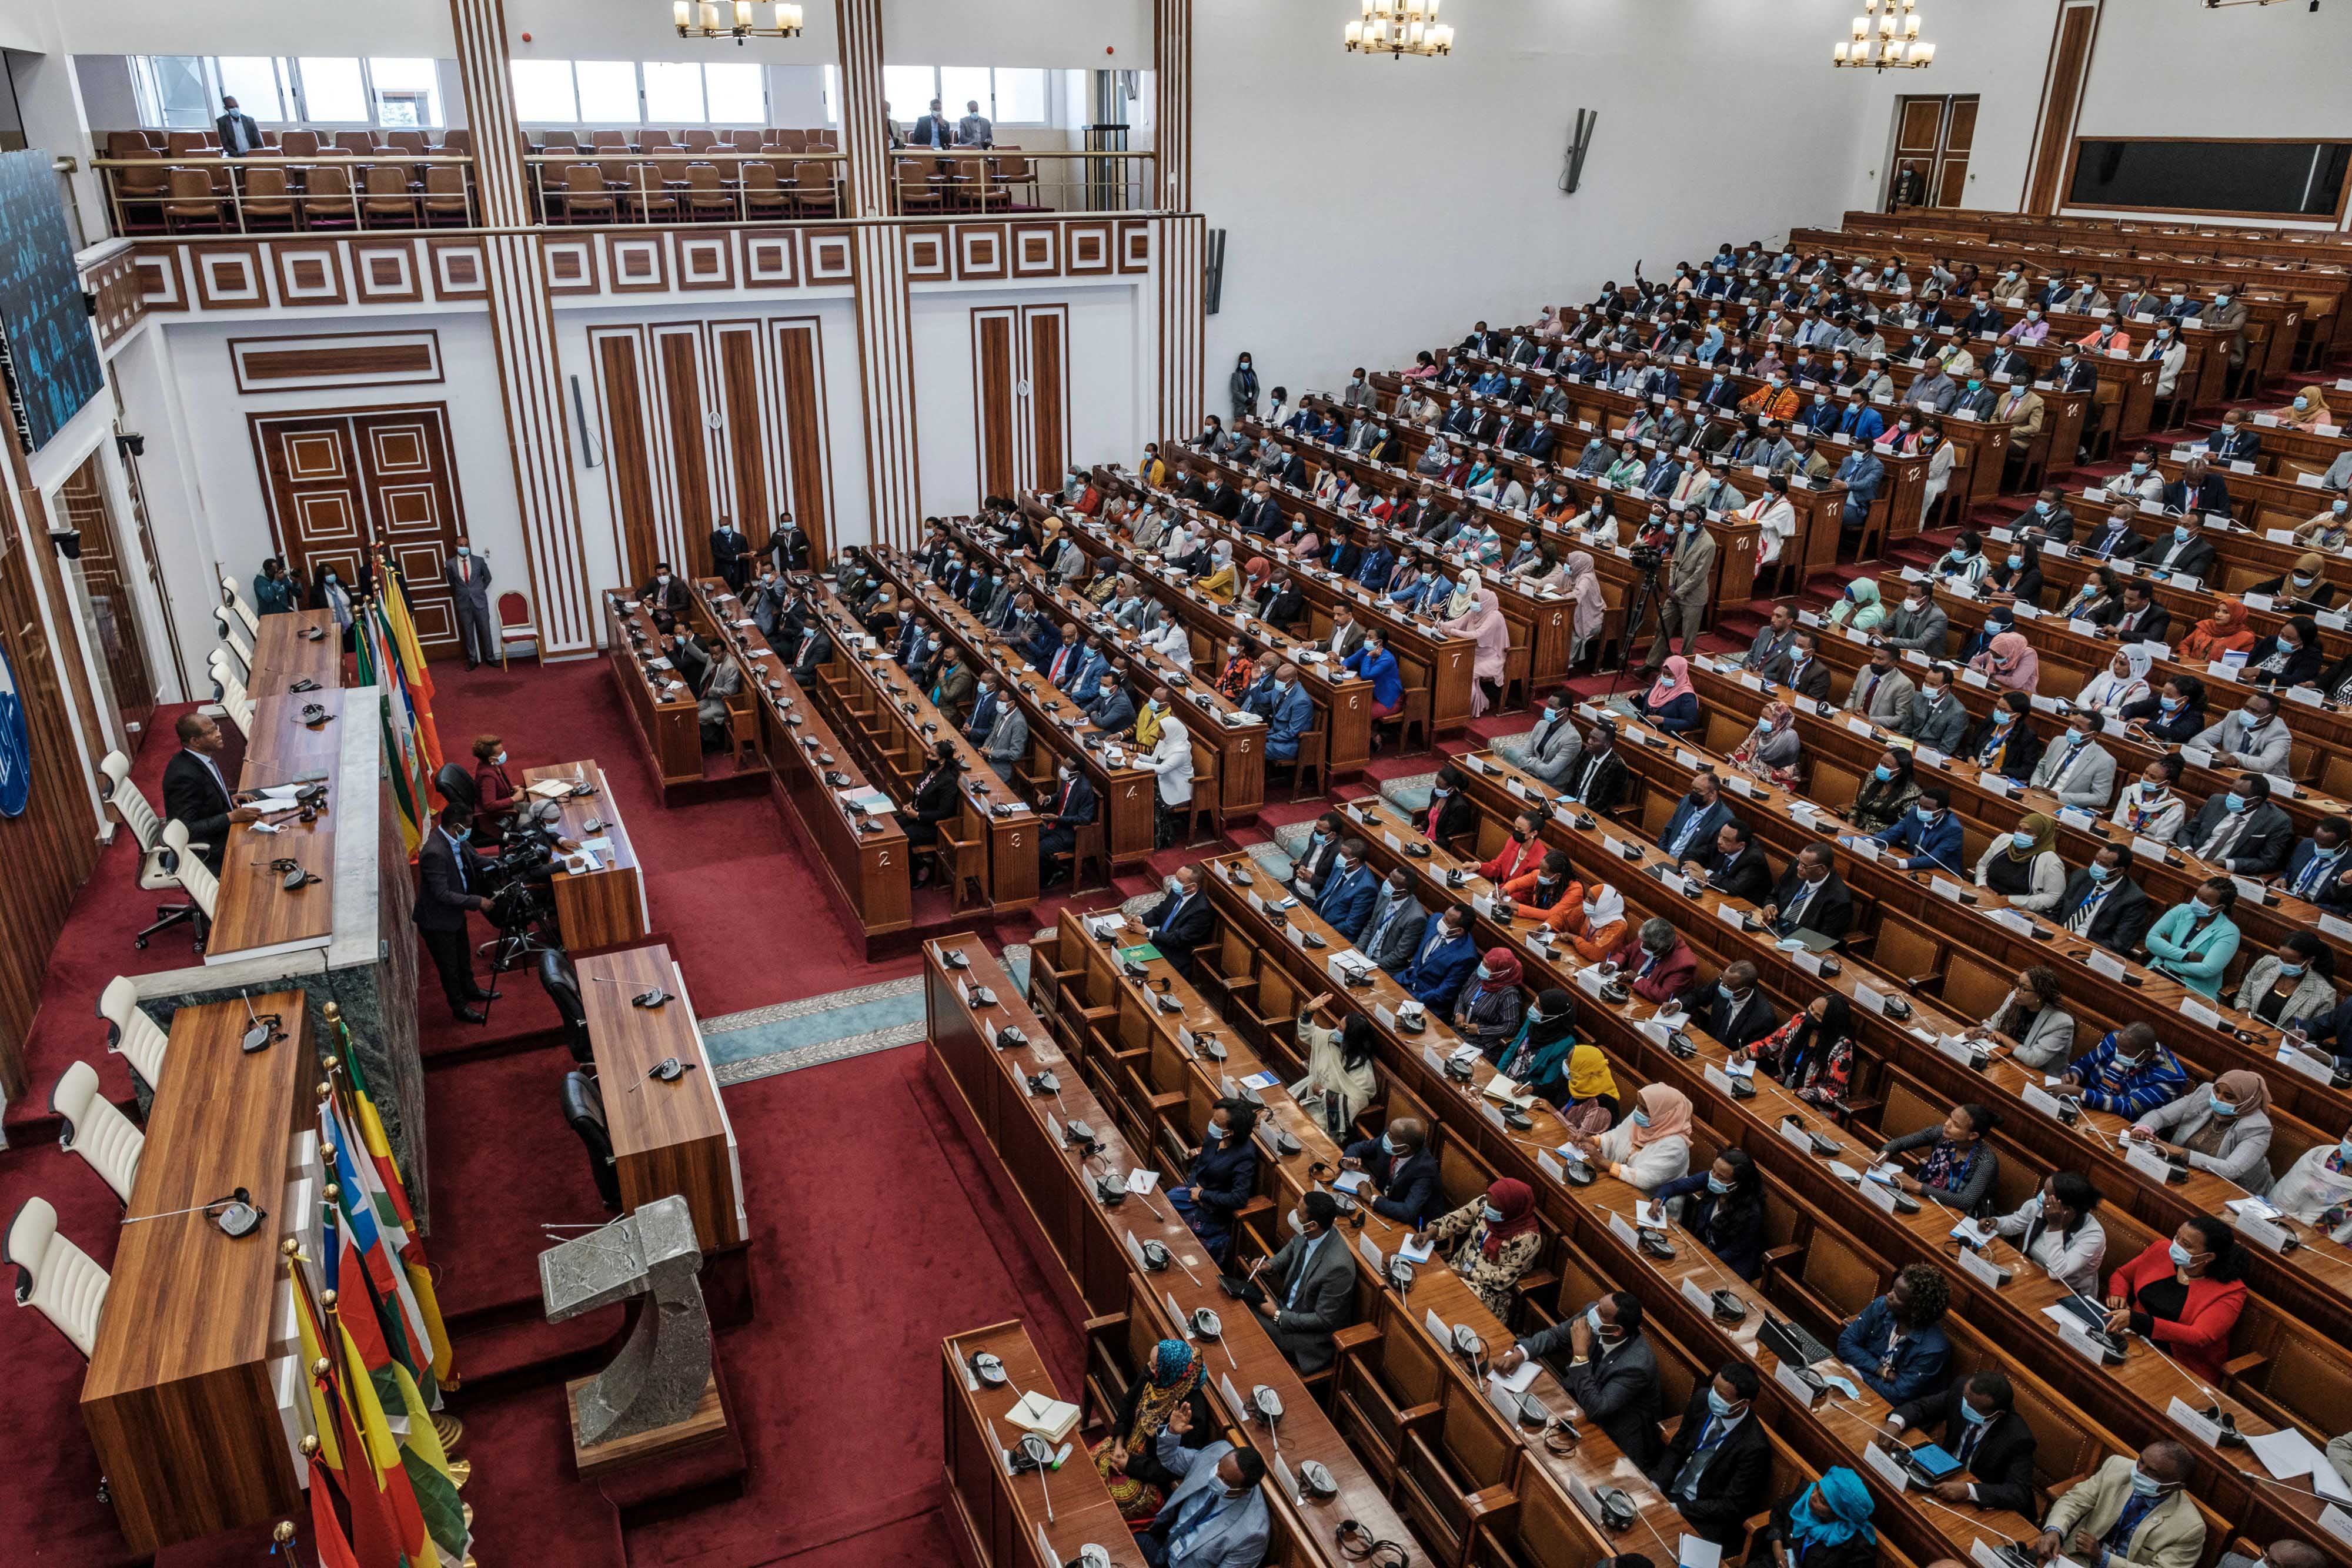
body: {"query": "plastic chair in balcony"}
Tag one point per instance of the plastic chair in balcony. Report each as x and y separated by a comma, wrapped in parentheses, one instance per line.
(763, 194)
(192, 204)
(358, 143)
(699, 140)
(586, 198)
(459, 143)
(658, 142)
(812, 191)
(916, 193)
(389, 205)
(610, 141)
(327, 199)
(648, 196)
(745, 142)
(269, 200)
(708, 199)
(445, 198)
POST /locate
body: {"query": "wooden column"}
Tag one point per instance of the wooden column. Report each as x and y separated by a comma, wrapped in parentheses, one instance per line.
(2071, 38)
(1171, 135)
(523, 329)
(884, 344)
(864, 135)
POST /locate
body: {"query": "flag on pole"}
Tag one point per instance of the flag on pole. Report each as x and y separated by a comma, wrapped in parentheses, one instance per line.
(372, 1249)
(392, 1194)
(323, 1385)
(376, 669)
(429, 1479)
(334, 1545)
(380, 1451)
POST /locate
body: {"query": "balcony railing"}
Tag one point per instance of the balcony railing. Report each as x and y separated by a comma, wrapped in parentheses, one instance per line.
(1009, 180)
(603, 185)
(321, 191)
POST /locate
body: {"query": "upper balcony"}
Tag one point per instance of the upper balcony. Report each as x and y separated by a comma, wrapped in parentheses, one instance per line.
(178, 183)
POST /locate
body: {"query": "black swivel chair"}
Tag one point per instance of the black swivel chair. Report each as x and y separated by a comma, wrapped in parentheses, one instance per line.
(583, 1107)
(456, 787)
(561, 983)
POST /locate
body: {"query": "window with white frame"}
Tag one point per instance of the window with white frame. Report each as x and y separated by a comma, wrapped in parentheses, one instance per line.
(184, 91)
(1007, 95)
(633, 92)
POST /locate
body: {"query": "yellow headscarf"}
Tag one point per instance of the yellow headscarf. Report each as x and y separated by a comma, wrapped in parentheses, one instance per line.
(1587, 1074)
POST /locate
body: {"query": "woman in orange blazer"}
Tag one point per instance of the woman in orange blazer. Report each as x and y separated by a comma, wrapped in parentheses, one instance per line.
(1547, 890)
(2184, 1294)
(1594, 927)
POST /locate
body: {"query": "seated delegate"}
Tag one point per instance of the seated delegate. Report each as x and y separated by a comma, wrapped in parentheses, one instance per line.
(1895, 1345)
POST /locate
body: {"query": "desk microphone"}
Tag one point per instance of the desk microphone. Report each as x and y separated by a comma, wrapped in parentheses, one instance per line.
(653, 997)
(262, 1027)
(290, 870)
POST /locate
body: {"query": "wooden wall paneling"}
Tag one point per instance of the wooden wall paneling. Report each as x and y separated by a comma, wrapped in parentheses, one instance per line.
(677, 357)
(414, 510)
(772, 258)
(978, 252)
(162, 278)
(1036, 250)
(832, 256)
(309, 273)
(1086, 249)
(746, 443)
(306, 361)
(1960, 138)
(51, 848)
(2061, 99)
(230, 276)
(386, 272)
(113, 605)
(1134, 245)
(995, 427)
(311, 480)
(807, 446)
(621, 406)
(571, 265)
(457, 269)
(927, 259)
(639, 263)
(706, 260)
(1046, 378)
(121, 285)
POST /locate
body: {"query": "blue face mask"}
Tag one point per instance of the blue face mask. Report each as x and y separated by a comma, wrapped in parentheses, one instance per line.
(2343, 1150)
(2077, 736)
(2099, 873)
(1592, 1316)
(2293, 971)
(2022, 841)
(1212, 1133)
(1485, 973)
(2220, 1107)
(1971, 1413)
(1925, 814)
(1490, 1213)
(2169, 705)
(2234, 801)
(1725, 992)
(2016, 563)
(1882, 773)
(2181, 534)
(1389, 1146)
(2180, 1257)
(1641, 1118)
(2139, 468)
(2143, 1483)
(1718, 1405)
(1718, 1187)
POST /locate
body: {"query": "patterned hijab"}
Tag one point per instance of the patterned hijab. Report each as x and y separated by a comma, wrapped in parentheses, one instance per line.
(1175, 1374)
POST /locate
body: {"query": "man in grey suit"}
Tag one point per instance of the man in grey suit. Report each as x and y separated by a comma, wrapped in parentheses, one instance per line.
(1938, 720)
(1217, 1516)
(1008, 739)
(468, 576)
(1613, 1374)
(1778, 635)
(2078, 769)
(1392, 934)
(1307, 1291)
(1690, 582)
(1882, 693)
(1918, 622)
(1552, 748)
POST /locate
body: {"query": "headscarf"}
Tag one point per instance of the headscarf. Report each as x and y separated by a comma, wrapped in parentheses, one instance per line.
(1516, 1199)
(1674, 680)
(1584, 589)
(1175, 1374)
(1502, 971)
(1464, 596)
(2228, 620)
(1536, 1054)
(2045, 834)
(1588, 1077)
(1865, 611)
(1257, 570)
(2311, 564)
(1850, 1504)
(2024, 672)
(2316, 411)
(2110, 690)
(1780, 716)
(2252, 1089)
(1670, 1115)
(1607, 907)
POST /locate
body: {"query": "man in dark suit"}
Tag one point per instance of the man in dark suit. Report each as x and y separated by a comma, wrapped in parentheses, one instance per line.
(1598, 777)
(468, 577)
(1732, 863)
(1306, 1292)
(1976, 1422)
(665, 592)
(1802, 668)
(1699, 816)
(2116, 538)
(732, 552)
(2316, 870)
(1613, 1375)
(1392, 934)
(453, 881)
(1400, 1169)
(1180, 921)
(1260, 515)
(2198, 490)
(238, 132)
(1717, 1471)
(2141, 619)
(1221, 497)
(2184, 549)
(196, 792)
(1733, 1008)
(1073, 806)
(788, 545)
(2103, 903)
(1810, 896)
(933, 130)
(2241, 829)
(812, 653)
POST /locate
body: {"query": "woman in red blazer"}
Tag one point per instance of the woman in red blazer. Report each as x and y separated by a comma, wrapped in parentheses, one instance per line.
(2184, 1294)
(495, 788)
(1655, 961)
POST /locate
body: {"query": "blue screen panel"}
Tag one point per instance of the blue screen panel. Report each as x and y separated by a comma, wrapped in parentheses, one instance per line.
(45, 349)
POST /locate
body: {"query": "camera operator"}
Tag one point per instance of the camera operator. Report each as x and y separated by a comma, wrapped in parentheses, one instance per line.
(1689, 583)
(453, 880)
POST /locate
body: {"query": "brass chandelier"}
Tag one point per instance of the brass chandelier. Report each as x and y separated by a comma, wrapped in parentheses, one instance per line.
(1886, 37)
(736, 19)
(1400, 28)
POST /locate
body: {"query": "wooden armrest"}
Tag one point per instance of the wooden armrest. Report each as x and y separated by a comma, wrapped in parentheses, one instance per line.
(1413, 1415)
(1922, 982)
(2239, 1365)
(1533, 1281)
(1354, 1337)
(1775, 1256)
(1489, 1500)
(1095, 1326)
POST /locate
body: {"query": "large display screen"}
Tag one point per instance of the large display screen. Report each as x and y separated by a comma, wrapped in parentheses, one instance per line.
(2301, 178)
(46, 352)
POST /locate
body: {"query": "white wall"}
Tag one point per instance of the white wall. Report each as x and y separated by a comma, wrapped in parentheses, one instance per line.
(1106, 378)
(1375, 206)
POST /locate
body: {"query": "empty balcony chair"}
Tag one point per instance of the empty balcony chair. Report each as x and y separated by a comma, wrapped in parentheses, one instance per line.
(190, 868)
(813, 190)
(647, 193)
(54, 1277)
(140, 195)
(586, 199)
(610, 141)
(129, 1032)
(459, 143)
(763, 195)
(823, 142)
(655, 140)
(358, 143)
(192, 205)
(103, 1135)
(783, 139)
(916, 193)
(299, 144)
(327, 201)
(408, 144)
(389, 205)
(1012, 174)
(584, 1108)
(560, 981)
(130, 807)
(127, 145)
(708, 199)
(746, 142)
(448, 203)
(699, 140)
(267, 203)
(559, 142)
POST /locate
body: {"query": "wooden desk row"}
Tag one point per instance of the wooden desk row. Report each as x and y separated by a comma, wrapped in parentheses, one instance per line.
(986, 1081)
(1126, 794)
(893, 726)
(196, 1397)
(297, 740)
(668, 1138)
(865, 854)
(659, 701)
(291, 648)
(1235, 739)
(1861, 1245)
(604, 907)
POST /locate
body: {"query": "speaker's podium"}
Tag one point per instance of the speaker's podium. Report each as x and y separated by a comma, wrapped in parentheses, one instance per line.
(652, 1427)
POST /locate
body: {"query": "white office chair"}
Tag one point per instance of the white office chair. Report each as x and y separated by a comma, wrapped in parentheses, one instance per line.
(139, 1040)
(193, 874)
(95, 1130)
(233, 638)
(236, 601)
(228, 688)
(54, 1277)
(131, 809)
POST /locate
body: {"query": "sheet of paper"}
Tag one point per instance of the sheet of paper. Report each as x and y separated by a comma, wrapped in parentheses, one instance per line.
(1349, 1181)
(1416, 1252)
(1519, 1382)
(2287, 1454)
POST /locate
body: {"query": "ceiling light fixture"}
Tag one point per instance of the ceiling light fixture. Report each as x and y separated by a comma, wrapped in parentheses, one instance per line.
(736, 19)
(1400, 28)
(1886, 37)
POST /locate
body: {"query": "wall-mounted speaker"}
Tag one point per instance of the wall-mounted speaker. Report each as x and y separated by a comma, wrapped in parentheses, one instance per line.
(1580, 143)
(588, 455)
(1212, 271)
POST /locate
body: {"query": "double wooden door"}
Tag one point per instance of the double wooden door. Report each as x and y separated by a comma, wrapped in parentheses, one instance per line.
(343, 482)
(1932, 139)
(1021, 377)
